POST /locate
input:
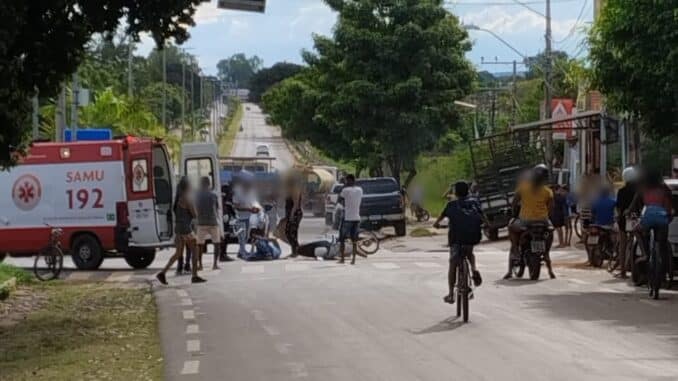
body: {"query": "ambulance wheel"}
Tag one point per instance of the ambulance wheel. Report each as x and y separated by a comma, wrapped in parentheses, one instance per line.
(87, 253)
(139, 258)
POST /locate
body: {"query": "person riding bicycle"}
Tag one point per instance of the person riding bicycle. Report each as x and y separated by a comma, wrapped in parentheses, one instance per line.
(655, 198)
(536, 200)
(625, 197)
(602, 211)
(465, 220)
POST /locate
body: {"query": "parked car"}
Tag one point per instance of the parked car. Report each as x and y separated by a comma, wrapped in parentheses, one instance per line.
(263, 149)
(330, 204)
(382, 204)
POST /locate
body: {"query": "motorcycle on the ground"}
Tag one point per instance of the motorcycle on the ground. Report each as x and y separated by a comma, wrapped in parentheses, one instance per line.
(420, 213)
(534, 243)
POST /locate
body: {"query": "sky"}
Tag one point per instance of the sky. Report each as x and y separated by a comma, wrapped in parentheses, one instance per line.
(287, 26)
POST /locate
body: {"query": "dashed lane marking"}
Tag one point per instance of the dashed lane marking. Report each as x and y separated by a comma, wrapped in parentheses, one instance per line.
(428, 265)
(385, 266)
(186, 302)
(258, 315)
(271, 331)
(182, 293)
(192, 346)
(253, 269)
(297, 267)
(578, 281)
(189, 314)
(191, 367)
(192, 329)
(283, 348)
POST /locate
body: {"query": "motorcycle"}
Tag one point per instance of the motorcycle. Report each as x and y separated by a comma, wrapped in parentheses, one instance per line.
(534, 243)
(600, 246)
(420, 213)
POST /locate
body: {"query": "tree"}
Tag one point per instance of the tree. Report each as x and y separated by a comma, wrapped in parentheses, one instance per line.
(264, 79)
(43, 42)
(634, 54)
(239, 69)
(152, 97)
(388, 77)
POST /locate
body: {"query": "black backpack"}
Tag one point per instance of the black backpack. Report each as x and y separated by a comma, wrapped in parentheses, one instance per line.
(466, 219)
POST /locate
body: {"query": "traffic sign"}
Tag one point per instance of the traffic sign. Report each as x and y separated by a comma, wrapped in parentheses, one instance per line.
(243, 5)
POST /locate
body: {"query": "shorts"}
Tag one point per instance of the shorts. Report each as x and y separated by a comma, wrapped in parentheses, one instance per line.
(654, 216)
(349, 230)
(455, 252)
(182, 239)
(212, 231)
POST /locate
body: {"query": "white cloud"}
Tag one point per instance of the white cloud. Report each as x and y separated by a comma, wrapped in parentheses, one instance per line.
(312, 18)
(208, 13)
(500, 21)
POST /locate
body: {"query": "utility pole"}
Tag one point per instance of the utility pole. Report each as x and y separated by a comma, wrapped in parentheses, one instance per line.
(60, 115)
(130, 79)
(514, 85)
(192, 104)
(34, 118)
(74, 107)
(183, 97)
(164, 86)
(547, 88)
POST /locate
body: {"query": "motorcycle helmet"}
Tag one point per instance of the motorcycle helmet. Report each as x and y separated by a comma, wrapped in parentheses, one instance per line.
(541, 173)
(630, 175)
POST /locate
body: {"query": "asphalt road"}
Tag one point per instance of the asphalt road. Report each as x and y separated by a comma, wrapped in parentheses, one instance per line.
(383, 319)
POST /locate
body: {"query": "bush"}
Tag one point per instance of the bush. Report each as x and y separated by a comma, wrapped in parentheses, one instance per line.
(9, 271)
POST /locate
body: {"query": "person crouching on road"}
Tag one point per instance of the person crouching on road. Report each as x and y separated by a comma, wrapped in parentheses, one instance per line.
(184, 213)
(465, 221)
(243, 202)
(208, 225)
(351, 197)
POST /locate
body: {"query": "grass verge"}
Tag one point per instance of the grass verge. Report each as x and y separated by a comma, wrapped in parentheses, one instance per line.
(227, 138)
(436, 173)
(8, 271)
(84, 331)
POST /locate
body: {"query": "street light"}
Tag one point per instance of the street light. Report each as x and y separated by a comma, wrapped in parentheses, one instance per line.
(475, 115)
(475, 27)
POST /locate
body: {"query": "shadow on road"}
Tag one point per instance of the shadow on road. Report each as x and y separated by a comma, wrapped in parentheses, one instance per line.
(632, 310)
(448, 324)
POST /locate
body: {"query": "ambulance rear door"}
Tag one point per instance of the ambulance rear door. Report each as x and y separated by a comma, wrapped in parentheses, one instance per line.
(140, 198)
(202, 160)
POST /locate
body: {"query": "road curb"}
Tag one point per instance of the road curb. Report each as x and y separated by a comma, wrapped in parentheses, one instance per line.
(7, 287)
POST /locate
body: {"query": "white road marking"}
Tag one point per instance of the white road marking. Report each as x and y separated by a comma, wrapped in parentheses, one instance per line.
(189, 314)
(297, 267)
(182, 293)
(79, 275)
(191, 367)
(192, 329)
(119, 277)
(193, 345)
(649, 302)
(298, 369)
(428, 265)
(186, 302)
(283, 348)
(578, 281)
(610, 290)
(385, 265)
(258, 315)
(272, 331)
(253, 269)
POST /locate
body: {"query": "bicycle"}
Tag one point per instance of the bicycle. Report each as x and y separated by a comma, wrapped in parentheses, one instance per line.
(463, 288)
(52, 256)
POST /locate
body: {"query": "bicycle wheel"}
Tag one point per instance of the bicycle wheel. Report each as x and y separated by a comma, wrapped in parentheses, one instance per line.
(368, 242)
(458, 291)
(669, 269)
(48, 263)
(613, 257)
(465, 292)
(578, 227)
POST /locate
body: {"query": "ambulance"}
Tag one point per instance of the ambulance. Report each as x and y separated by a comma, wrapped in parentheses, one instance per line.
(111, 198)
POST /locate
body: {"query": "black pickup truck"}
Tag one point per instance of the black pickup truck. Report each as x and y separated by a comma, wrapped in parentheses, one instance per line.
(382, 204)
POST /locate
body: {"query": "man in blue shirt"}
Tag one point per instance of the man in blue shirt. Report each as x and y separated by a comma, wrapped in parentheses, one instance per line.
(603, 208)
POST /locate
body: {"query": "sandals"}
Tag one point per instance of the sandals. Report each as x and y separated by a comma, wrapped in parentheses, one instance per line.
(449, 299)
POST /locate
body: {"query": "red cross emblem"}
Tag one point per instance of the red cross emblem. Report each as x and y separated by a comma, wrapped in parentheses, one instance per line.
(26, 192)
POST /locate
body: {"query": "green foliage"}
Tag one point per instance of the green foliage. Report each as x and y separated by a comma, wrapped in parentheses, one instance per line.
(383, 87)
(43, 42)
(239, 69)
(8, 271)
(264, 79)
(152, 96)
(634, 52)
(436, 173)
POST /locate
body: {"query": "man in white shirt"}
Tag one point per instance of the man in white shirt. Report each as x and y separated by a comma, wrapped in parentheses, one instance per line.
(351, 197)
(243, 202)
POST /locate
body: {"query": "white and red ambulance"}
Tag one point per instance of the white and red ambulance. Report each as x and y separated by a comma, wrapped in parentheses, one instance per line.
(109, 197)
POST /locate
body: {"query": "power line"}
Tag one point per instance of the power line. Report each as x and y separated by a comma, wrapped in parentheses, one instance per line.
(499, 3)
(574, 26)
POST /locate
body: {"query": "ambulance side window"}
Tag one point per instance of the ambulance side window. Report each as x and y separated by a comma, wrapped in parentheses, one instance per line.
(198, 168)
(139, 175)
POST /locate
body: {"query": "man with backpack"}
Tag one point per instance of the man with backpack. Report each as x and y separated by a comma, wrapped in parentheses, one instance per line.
(465, 221)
